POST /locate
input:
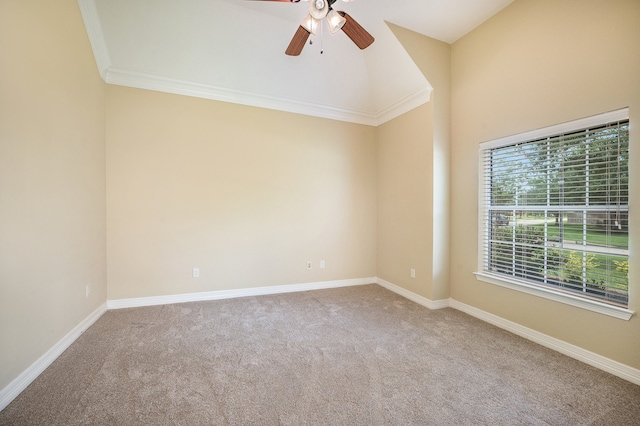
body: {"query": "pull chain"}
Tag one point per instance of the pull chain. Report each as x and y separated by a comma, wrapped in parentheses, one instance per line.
(321, 38)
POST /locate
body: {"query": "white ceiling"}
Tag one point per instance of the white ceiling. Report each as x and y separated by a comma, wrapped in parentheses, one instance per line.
(233, 51)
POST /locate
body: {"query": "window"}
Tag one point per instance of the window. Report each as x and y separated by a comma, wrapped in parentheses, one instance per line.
(554, 210)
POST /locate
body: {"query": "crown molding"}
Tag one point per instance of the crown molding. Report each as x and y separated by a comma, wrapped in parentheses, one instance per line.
(122, 77)
(419, 96)
(141, 80)
(96, 35)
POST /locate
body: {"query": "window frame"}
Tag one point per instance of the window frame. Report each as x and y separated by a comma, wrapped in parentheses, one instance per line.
(520, 284)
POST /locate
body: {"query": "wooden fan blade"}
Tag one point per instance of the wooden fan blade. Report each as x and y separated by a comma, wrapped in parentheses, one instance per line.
(297, 42)
(356, 33)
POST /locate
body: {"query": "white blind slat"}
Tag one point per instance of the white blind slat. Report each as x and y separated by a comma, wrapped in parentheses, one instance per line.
(555, 209)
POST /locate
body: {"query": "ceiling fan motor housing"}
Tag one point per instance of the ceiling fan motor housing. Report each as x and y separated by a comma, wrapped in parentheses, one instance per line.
(318, 8)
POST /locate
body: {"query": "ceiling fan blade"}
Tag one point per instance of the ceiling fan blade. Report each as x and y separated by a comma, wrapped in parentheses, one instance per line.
(356, 33)
(297, 42)
(286, 1)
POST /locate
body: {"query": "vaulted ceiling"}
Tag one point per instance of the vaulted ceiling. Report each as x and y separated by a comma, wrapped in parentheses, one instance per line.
(233, 51)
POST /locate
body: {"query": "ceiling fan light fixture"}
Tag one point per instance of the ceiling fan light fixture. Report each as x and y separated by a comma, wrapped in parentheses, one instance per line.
(310, 24)
(335, 21)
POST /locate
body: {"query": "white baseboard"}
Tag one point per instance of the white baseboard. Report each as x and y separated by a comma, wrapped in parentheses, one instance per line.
(229, 294)
(13, 389)
(598, 361)
(431, 304)
(20, 383)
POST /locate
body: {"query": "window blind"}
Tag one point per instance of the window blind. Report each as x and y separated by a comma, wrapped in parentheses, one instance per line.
(555, 211)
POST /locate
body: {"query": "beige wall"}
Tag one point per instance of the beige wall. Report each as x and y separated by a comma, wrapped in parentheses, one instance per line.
(52, 179)
(248, 195)
(535, 64)
(413, 181)
(405, 152)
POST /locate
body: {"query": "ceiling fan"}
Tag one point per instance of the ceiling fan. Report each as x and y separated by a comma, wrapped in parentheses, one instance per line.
(336, 19)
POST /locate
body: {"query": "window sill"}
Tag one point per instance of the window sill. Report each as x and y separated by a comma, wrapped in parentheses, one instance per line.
(591, 305)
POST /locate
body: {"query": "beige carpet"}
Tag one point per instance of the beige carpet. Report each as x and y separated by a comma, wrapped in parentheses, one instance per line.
(349, 356)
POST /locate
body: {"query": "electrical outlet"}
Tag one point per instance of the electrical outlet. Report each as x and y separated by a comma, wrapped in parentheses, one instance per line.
(322, 264)
(309, 264)
(87, 290)
(196, 273)
(413, 273)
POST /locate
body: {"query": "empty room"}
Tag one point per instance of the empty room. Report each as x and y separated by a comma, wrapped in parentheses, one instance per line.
(319, 212)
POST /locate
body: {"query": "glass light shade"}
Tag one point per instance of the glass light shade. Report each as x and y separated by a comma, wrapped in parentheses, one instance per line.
(335, 21)
(310, 24)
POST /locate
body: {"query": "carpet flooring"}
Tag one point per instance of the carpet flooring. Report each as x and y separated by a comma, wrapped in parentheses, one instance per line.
(349, 356)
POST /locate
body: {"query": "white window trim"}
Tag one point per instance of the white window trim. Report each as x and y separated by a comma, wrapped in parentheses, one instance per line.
(548, 293)
(521, 285)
